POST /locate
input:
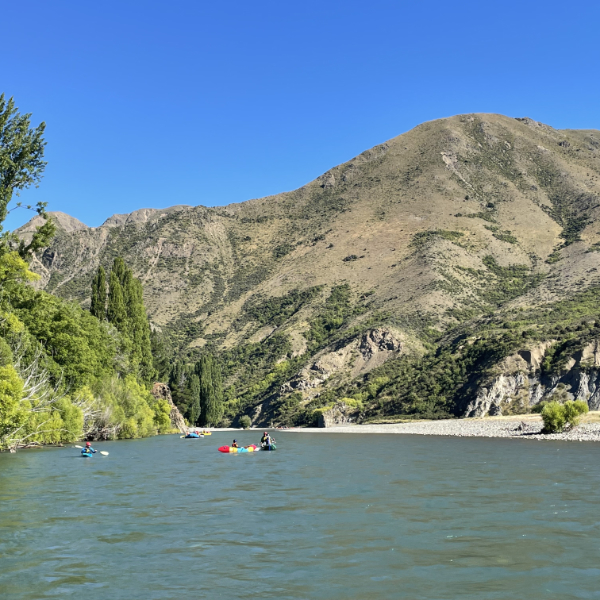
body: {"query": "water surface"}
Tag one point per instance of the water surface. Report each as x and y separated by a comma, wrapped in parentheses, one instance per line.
(328, 516)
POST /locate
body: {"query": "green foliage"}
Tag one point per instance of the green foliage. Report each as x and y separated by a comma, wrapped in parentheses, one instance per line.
(511, 281)
(338, 307)
(13, 414)
(573, 409)
(505, 236)
(127, 313)
(78, 346)
(554, 417)
(211, 391)
(116, 311)
(129, 405)
(193, 411)
(245, 421)
(21, 166)
(6, 355)
(98, 306)
(162, 354)
(276, 311)
(486, 216)
(282, 249)
(424, 237)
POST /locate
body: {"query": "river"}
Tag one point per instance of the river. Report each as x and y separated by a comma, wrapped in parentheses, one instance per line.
(328, 516)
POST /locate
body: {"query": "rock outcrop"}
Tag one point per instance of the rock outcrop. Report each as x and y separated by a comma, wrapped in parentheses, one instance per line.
(521, 384)
(361, 355)
(339, 414)
(163, 392)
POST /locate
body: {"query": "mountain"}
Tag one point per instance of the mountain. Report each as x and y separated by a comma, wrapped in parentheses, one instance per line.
(432, 246)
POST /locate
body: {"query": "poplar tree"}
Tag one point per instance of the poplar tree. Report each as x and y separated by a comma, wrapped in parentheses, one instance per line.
(193, 412)
(98, 307)
(116, 310)
(211, 391)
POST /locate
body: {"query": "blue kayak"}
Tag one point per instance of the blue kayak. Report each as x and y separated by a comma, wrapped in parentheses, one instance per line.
(86, 455)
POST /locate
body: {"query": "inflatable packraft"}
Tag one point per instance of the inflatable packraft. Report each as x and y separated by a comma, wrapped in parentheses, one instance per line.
(227, 449)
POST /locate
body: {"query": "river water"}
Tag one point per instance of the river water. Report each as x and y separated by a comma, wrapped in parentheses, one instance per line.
(328, 516)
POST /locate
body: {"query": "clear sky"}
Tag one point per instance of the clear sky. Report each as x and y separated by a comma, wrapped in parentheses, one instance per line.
(155, 103)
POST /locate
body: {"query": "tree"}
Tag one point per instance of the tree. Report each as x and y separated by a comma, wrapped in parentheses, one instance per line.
(161, 354)
(116, 310)
(127, 313)
(193, 412)
(21, 166)
(211, 391)
(98, 306)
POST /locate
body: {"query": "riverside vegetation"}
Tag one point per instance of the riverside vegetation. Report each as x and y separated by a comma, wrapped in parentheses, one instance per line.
(65, 374)
(453, 270)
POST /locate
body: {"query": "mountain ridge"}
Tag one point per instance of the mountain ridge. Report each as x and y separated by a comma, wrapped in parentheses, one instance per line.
(454, 220)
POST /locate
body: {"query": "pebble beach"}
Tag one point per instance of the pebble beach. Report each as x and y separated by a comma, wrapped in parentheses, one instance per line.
(524, 427)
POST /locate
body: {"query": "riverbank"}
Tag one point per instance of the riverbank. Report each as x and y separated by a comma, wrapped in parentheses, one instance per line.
(521, 426)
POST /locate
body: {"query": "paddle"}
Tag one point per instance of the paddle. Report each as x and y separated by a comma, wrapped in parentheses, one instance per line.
(103, 452)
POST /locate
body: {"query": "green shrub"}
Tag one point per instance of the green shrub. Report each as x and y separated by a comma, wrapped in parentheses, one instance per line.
(573, 411)
(553, 416)
(245, 421)
(557, 416)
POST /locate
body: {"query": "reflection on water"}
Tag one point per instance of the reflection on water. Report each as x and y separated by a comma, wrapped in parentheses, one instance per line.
(332, 516)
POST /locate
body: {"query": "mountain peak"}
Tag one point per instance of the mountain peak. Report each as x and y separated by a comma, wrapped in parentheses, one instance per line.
(63, 221)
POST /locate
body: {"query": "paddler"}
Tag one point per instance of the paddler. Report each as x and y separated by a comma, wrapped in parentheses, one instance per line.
(234, 444)
(265, 440)
(88, 449)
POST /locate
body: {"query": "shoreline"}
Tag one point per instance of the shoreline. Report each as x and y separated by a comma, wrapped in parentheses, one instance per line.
(527, 427)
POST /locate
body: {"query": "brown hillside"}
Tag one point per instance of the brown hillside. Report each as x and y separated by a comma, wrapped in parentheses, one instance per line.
(423, 228)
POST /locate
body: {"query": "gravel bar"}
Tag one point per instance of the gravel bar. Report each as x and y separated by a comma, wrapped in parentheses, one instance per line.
(526, 428)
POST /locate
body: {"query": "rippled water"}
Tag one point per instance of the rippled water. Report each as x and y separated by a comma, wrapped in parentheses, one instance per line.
(326, 516)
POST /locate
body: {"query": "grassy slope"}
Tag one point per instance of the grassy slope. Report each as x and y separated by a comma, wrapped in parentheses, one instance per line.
(439, 227)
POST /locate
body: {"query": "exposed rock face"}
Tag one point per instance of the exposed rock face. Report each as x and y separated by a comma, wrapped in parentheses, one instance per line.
(339, 414)
(361, 355)
(378, 340)
(521, 385)
(163, 392)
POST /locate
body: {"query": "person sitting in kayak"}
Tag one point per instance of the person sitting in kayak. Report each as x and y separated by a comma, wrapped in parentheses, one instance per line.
(234, 444)
(88, 449)
(266, 440)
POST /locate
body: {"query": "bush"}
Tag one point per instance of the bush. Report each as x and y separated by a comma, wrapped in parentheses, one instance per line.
(573, 411)
(553, 416)
(245, 421)
(557, 416)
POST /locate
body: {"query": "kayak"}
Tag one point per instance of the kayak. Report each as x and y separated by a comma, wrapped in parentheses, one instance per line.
(207, 433)
(269, 449)
(192, 436)
(227, 449)
(86, 455)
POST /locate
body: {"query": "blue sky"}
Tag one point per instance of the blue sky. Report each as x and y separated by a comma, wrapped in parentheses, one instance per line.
(155, 103)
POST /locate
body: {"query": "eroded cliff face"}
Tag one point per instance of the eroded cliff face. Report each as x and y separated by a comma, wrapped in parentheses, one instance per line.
(359, 356)
(521, 382)
(163, 392)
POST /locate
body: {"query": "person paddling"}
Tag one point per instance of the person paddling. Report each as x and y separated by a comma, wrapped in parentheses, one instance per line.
(88, 449)
(234, 444)
(265, 440)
